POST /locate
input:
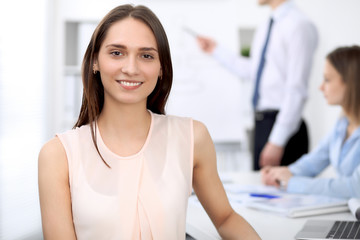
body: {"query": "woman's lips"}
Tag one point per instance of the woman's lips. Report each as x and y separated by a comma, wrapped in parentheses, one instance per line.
(129, 84)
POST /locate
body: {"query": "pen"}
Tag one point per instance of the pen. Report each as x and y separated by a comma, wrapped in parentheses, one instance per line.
(263, 195)
(282, 184)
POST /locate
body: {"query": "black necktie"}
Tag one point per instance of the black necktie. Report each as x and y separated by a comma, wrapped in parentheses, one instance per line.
(261, 66)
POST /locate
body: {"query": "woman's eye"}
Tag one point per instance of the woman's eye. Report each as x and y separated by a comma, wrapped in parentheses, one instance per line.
(148, 56)
(116, 53)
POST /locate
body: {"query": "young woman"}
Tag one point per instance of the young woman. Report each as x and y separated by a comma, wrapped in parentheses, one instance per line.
(126, 169)
(341, 148)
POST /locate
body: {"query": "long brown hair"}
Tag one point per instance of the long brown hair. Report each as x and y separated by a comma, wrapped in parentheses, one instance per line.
(93, 90)
(346, 60)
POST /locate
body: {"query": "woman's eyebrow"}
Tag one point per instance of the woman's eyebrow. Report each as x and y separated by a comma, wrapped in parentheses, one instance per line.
(124, 47)
(148, 49)
(115, 45)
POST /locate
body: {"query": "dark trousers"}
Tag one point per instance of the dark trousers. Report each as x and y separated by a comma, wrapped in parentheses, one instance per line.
(297, 145)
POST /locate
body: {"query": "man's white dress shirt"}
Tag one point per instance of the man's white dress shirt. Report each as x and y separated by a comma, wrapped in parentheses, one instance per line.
(286, 73)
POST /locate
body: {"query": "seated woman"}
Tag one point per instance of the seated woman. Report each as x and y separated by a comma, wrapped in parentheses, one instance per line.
(126, 170)
(341, 148)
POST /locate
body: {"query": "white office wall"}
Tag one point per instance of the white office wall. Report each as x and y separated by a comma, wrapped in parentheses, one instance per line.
(22, 115)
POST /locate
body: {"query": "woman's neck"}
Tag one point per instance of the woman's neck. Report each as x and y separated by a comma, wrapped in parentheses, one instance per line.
(124, 129)
(124, 118)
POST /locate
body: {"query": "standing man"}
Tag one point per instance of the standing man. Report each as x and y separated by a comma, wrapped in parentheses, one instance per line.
(279, 65)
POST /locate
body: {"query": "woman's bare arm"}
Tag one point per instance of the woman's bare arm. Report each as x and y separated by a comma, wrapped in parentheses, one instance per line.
(54, 191)
(210, 191)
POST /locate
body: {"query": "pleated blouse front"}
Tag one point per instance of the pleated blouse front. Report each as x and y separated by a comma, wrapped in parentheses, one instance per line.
(143, 196)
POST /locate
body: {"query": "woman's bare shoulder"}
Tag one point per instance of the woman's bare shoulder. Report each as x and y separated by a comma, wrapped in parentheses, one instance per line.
(204, 150)
(200, 131)
(52, 155)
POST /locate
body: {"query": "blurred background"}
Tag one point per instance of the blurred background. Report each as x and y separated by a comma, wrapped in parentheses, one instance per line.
(41, 46)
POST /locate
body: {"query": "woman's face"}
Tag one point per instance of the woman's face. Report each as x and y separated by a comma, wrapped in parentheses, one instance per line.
(128, 62)
(333, 85)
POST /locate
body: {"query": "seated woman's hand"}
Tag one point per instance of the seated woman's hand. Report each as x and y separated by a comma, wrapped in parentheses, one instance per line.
(275, 176)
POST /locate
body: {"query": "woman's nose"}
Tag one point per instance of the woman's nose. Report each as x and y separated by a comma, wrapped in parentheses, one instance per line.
(130, 66)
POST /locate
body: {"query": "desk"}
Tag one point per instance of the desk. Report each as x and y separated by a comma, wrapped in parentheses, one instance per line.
(268, 225)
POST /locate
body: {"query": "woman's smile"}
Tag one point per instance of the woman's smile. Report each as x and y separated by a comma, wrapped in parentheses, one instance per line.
(129, 85)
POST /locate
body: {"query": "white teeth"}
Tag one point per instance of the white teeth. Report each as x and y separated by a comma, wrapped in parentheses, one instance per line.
(130, 84)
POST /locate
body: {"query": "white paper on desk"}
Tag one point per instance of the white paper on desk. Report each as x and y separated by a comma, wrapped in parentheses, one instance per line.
(299, 205)
(234, 188)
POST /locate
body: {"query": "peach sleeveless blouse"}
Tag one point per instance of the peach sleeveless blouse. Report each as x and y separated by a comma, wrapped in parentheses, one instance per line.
(143, 196)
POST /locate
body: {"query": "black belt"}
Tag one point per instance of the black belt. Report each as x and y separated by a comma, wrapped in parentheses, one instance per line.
(266, 114)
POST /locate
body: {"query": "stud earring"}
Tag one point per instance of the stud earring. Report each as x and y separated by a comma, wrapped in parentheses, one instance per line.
(94, 70)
